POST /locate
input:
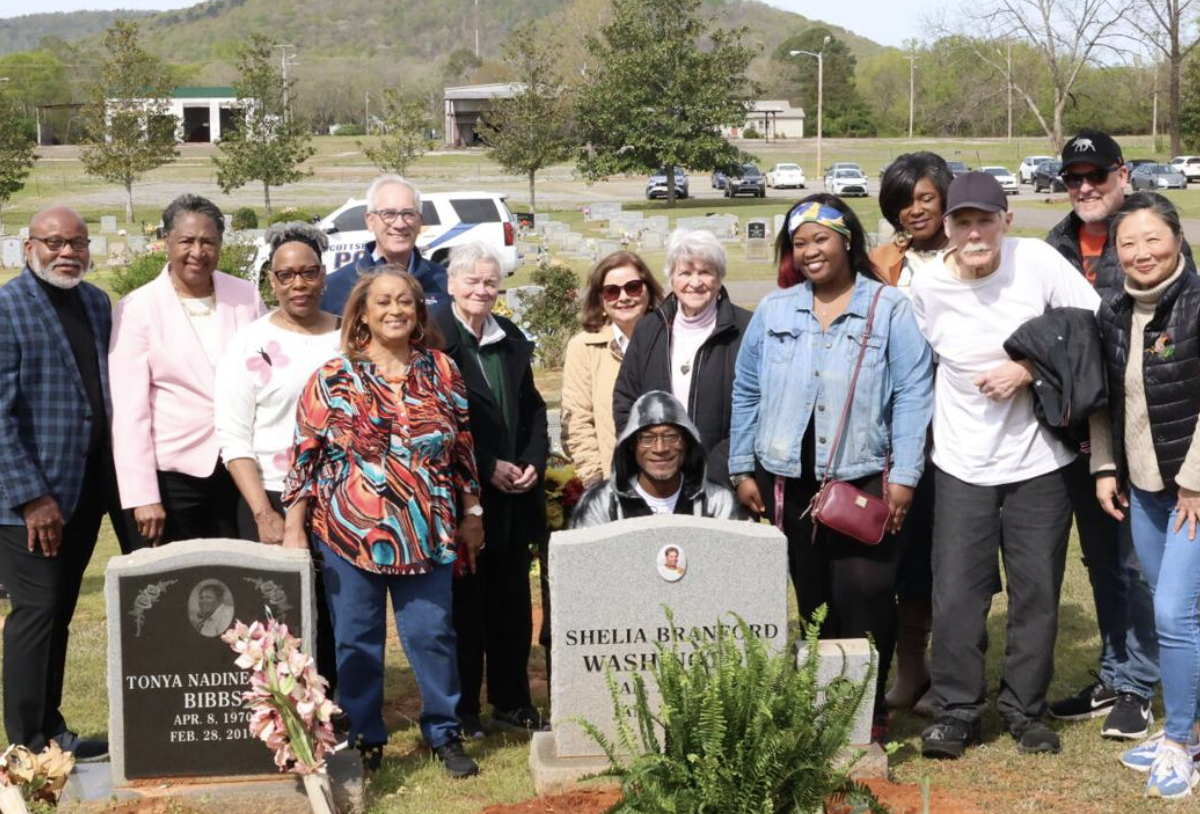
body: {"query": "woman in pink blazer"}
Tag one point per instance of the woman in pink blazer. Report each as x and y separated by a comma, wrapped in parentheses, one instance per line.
(166, 341)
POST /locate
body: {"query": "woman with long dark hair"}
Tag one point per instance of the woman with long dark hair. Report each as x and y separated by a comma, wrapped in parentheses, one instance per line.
(793, 380)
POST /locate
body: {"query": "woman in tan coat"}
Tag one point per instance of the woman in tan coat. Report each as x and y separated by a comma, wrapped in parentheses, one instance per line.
(620, 291)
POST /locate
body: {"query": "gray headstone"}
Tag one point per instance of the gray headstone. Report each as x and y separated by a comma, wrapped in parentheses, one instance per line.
(602, 210)
(12, 253)
(108, 224)
(118, 253)
(552, 226)
(657, 223)
(539, 220)
(606, 247)
(652, 241)
(98, 246)
(175, 706)
(137, 244)
(607, 588)
(756, 229)
(571, 241)
(848, 659)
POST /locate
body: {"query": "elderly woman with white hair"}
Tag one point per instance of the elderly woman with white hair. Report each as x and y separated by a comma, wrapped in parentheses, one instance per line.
(492, 607)
(689, 346)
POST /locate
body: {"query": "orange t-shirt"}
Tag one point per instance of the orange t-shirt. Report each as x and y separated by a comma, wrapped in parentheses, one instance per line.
(1091, 247)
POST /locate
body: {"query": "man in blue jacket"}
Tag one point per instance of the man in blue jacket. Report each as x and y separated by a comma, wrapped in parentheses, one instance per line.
(56, 469)
(394, 216)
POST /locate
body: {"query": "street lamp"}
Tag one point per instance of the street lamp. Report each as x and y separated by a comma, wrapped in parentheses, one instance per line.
(820, 57)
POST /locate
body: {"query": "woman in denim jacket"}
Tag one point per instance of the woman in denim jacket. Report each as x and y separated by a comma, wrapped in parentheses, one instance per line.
(792, 377)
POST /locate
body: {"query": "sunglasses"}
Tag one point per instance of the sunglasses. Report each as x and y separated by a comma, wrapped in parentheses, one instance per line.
(633, 288)
(1074, 180)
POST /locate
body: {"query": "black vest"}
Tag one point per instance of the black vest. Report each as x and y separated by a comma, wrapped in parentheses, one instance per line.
(1170, 372)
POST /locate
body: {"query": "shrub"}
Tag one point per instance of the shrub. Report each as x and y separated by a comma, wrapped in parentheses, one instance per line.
(245, 218)
(552, 314)
(290, 214)
(743, 730)
(348, 129)
(236, 258)
(751, 132)
(142, 269)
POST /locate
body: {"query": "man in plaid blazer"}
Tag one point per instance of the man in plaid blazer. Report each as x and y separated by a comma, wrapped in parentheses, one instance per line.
(56, 471)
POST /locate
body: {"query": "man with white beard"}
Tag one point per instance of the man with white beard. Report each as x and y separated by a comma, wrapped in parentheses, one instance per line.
(56, 470)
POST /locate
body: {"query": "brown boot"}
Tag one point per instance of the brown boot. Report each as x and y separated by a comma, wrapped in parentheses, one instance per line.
(913, 621)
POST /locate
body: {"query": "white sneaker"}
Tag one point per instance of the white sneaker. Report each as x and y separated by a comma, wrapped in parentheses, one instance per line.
(1173, 774)
(1141, 757)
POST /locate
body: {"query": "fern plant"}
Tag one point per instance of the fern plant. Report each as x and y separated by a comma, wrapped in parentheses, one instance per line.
(740, 729)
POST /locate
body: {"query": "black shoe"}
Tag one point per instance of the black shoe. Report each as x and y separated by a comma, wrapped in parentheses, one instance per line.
(341, 725)
(1129, 719)
(372, 756)
(472, 727)
(949, 737)
(456, 760)
(521, 719)
(1092, 701)
(84, 751)
(1033, 736)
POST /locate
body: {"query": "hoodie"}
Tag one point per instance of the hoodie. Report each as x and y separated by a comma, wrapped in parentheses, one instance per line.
(617, 499)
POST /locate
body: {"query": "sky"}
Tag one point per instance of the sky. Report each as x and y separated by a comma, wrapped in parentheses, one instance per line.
(875, 19)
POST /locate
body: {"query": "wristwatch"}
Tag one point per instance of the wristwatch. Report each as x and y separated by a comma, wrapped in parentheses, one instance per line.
(740, 478)
(474, 511)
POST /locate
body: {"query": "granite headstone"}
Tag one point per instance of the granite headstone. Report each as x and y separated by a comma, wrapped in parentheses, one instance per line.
(175, 695)
(108, 224)
(608, 585)
(12, 252)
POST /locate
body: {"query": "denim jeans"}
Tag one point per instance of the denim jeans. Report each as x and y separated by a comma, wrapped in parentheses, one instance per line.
(1028, 522)
(1124, 606)
(358, 604)
(1171, 563)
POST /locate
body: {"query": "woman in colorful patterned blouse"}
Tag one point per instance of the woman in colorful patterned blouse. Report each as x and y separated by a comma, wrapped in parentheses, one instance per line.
(383, 478)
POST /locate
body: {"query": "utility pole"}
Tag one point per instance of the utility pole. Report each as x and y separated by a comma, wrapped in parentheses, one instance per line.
(912, 89)
(286, 60)
(1008, 76)
(477, 29)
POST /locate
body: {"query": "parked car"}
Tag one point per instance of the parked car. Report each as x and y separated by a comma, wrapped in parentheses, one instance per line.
(958, 168)
(719, 178)
(1028, 165)
(847, 182)
(1134, 163)
(1189, 165)
(883, 170)
(1046, 176)
(1156, 177)
(1008, 181)
(786, 175)
(839, 165)
(656, 187)
(449, 219)
(747, 179)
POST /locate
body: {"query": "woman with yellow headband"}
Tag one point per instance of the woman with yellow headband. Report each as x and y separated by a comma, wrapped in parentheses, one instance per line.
(793, 378)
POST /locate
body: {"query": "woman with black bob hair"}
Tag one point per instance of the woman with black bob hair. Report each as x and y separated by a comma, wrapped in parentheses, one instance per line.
(912, 198)
(793, 380)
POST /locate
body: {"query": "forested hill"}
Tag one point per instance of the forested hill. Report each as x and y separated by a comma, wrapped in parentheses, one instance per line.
(26, 32)
(324, 29)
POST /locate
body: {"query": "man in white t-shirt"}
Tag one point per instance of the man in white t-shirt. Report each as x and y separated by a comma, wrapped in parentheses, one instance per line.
(1000, 476)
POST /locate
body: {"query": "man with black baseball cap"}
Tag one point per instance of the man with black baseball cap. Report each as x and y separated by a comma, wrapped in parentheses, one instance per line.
(1095, 175)
(999, 474)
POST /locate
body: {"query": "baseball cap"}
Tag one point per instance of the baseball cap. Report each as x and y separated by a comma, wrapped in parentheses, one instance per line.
(976, 190)
(1092, 147)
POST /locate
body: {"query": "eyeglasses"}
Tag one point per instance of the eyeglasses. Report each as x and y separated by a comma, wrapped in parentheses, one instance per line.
(612, 292)
(309, 274)
(57, 244)
(389, 216)
(651, 440)
(1074, 180)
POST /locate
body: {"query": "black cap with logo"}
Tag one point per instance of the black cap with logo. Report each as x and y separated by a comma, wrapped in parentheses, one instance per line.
(1092, 147)
(976, 190)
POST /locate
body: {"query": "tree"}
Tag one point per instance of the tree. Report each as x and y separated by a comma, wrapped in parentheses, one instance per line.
(17, 151)
(405, 133)
(1189, 114)
(529, 131)
(845, 112)
(128, 128)
(268, 144)
(458, 65)
(1160, 23)
(1066, 35)
(660, 86)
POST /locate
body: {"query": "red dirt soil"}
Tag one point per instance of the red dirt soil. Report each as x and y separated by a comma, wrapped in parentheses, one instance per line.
(585, 801)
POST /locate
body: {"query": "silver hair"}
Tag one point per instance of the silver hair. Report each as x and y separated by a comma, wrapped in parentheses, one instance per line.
(296, 231)
(694, 244)
(466, 257)
(387, 180)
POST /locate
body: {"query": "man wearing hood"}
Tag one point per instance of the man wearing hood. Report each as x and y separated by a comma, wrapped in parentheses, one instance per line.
(658, 468)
